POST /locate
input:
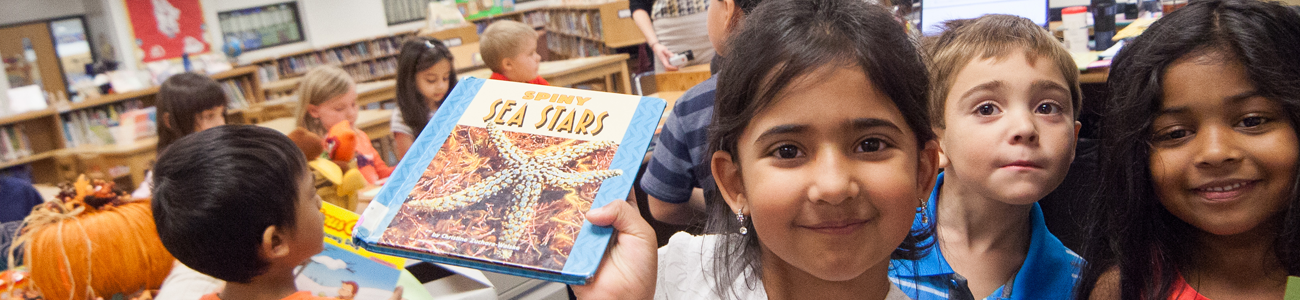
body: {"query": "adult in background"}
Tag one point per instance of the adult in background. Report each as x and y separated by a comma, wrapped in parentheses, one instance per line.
(674, 26)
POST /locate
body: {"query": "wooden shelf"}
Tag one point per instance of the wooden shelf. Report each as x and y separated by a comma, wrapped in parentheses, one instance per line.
(502, 15)
(27, 160)
(14, 119)
(150, 91)
(327, 47)
(112, 98)
(146, 144)
(586, 37)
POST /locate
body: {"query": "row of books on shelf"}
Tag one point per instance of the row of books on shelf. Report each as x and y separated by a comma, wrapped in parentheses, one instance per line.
(236, 95)
(535, 18)
(126, 121)
(373, 70)
(352, 53)
(573, 47)
(14, 144)
(580, 23)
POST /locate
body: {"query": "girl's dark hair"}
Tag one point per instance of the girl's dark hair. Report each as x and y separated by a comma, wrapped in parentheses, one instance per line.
(1130, 231)
(182, 97)
(419, 54)
(216, 192)
(796, 38)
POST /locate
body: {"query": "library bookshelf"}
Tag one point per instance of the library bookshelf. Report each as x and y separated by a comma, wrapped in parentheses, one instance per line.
(366, 60)
(69, 139)
(575, 30)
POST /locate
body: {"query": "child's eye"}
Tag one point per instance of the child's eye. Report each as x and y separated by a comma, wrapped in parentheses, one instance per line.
(987, 109)
(1048, 109)
(872, 145)
(787, 152)
(1172, 135)
(1253, 121)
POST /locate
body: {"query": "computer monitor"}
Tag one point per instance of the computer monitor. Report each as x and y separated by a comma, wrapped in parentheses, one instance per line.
(935, 12)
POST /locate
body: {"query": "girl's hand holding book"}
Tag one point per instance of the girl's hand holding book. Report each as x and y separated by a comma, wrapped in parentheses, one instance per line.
(629, 270)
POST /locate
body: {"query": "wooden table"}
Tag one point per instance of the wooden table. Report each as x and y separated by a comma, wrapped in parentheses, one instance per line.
(376, 91)
(374, 122)
(136, 157)
(683, 79)
(568, 72)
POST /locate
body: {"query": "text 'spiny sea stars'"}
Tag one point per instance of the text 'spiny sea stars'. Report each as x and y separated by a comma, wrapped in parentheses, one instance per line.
(528, 174)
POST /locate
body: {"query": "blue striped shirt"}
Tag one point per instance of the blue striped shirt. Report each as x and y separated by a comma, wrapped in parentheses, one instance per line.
(1049, 271)
(680, 162)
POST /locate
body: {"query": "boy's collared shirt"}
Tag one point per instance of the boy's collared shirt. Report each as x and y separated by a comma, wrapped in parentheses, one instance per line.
(1049, 272)
(538, 80)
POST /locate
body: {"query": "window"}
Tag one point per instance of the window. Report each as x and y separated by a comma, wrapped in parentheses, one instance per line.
(405, 11)
(73, 48)
(262, 27)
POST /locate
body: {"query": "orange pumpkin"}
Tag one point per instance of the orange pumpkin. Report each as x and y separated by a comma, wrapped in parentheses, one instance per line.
(80, 251)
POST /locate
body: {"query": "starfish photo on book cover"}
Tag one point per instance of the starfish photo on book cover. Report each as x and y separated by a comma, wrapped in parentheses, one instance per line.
(510, 197)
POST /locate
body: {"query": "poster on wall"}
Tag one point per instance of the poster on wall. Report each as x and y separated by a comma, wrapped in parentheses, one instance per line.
(165, 29)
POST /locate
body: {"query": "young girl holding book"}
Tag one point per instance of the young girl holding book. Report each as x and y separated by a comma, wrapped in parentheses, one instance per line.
(1199, 159)
(822, 153)
(327, 96)
(187, 103)
(424, 77)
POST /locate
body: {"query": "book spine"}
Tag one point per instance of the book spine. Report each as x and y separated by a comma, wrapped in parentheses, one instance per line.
(20, 149)
(25, 144)
(7, 151)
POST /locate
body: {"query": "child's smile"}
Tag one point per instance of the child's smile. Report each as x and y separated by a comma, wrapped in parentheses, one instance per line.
(828, 173)
(1218, 149)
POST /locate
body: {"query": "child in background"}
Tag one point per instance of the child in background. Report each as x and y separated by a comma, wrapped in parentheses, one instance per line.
(509, 49)
(186, 103)
(678, 171)
(425, 76)
(237, 203)
(1005, 96)
(1199, 159)
(822, 151)
(327, 95)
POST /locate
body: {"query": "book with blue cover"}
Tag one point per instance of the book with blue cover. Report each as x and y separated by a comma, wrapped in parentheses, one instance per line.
(501, 179)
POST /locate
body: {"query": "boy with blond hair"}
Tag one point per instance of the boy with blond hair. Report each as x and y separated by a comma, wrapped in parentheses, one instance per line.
(1005, 96)
(509, 49)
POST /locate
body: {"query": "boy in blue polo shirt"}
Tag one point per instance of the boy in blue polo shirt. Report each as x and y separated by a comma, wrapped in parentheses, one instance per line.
(1006, 96)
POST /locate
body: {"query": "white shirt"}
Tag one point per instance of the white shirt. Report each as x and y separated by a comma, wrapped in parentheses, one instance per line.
(184, 283)
(686, 272)
(398, 125)
(145, 190)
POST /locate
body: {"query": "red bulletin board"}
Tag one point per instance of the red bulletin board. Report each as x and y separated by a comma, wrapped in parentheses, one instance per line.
(165, 29)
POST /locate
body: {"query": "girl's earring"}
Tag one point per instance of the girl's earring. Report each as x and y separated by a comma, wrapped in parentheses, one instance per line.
(925, 217)
(741, 217)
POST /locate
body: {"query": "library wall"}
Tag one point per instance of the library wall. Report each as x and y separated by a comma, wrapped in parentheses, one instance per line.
(330, 22)
(325, 23)
(19, 11)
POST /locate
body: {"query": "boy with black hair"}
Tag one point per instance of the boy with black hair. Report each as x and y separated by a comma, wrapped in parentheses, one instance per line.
(237, 203)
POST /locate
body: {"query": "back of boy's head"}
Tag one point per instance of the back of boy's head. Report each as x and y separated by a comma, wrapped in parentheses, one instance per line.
(216, 192)
(417, 55)
(797, 38)
(179, 99)
(319, 85)
(504, 39)
(991, 36)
